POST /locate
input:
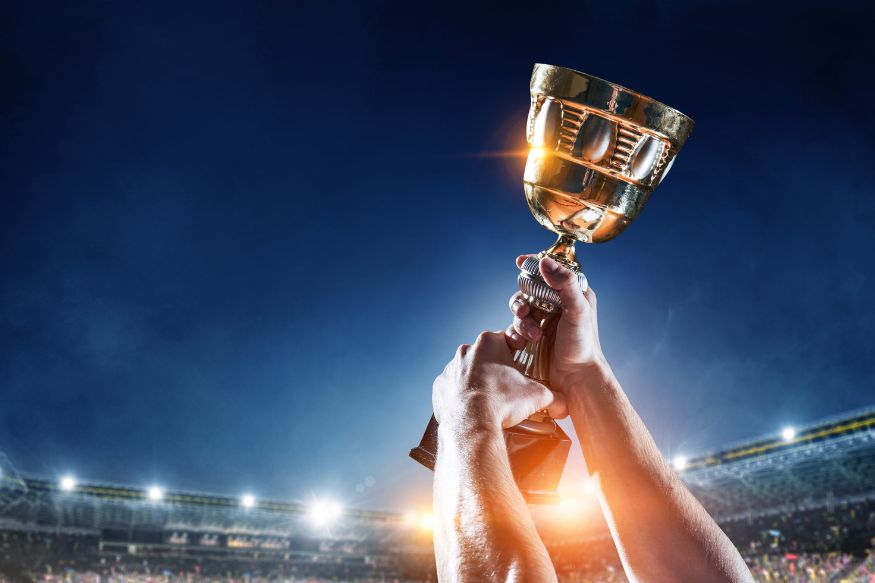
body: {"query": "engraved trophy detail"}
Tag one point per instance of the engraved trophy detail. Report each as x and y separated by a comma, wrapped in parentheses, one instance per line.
(596, 152)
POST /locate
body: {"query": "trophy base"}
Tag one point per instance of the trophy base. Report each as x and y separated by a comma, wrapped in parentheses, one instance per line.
(536, 460)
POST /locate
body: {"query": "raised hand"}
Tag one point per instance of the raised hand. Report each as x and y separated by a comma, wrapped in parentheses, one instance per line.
(577, 349)
(481, 387)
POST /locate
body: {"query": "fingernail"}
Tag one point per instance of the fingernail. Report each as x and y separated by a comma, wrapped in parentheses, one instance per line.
(516, 306)
(533, 332)
(516, 338)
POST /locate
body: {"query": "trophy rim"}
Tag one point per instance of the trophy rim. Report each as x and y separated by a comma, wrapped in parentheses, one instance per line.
(556, 81)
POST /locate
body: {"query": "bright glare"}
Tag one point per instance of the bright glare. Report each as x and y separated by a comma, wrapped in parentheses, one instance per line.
(788, 433)
(68, 483)
(679, 462)
(589, 488)
(426, 522)
(537, 152)
(571, 506)
(155, 493)
(410, 518)
(325, 512)
(247, 501)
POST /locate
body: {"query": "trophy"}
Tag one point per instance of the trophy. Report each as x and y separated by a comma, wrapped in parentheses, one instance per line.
(596, 152)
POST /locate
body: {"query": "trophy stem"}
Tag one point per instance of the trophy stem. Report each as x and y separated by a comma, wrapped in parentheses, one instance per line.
(534, 359)
(563, 251)
(545, 307)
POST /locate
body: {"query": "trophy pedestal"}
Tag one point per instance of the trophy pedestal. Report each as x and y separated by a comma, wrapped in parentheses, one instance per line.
(536, 460)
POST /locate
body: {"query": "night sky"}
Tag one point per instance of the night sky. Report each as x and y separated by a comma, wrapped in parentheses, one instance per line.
(238, 240)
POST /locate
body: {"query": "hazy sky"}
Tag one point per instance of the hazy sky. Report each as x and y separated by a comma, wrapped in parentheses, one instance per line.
(240, 239)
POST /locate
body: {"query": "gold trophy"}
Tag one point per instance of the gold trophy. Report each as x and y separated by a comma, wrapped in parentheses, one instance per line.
(596, 152)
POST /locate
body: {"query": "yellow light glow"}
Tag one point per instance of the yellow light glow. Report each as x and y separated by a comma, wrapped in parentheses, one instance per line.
(410, 518)
(426, 521)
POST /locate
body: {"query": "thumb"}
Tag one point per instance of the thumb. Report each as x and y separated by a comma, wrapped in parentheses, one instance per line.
(566, 282)
(541, 397)
(558, 407)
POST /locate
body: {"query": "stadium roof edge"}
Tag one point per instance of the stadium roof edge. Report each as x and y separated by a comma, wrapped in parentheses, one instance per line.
(120, 492)
(853, 421)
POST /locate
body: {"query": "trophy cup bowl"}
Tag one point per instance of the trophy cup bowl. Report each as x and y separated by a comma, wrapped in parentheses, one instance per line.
(596, 152)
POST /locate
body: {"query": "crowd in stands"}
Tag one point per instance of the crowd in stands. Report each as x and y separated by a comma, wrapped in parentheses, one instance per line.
(819, 545)
(832, 544)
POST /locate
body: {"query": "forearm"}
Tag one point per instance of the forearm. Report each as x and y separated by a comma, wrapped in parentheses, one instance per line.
(661, 531)
(483, 530)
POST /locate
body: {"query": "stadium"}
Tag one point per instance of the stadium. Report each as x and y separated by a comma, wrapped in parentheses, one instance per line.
(254, 251)
(800, 505)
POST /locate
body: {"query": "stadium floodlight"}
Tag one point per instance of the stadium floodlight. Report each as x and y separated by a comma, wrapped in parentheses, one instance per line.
(67, 483)
(679, 463)
(247, 501)
(155, 493)
(788, 433)
(324, 512)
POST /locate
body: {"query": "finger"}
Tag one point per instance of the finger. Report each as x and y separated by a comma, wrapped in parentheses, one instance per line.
(487, 337)
(493, 347)
(564, 281)
(488, 341)
(540, 398)
(518, 305)
(591, 299)
(558, 408)
(515, 340)
(521, 258)
(528, 328)
(590, 296)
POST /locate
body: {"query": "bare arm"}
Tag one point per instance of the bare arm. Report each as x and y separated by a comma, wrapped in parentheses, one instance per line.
(661, 531)
(483, 530)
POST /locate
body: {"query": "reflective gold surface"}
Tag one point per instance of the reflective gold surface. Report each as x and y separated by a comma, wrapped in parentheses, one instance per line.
(597, 151)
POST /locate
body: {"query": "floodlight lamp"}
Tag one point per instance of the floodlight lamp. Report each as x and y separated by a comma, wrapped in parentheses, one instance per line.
(67, 483)
(325, 512)
(155, 493)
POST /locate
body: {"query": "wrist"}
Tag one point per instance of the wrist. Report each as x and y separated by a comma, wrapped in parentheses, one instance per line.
(585, 377)
(474, 415)
(468, 438)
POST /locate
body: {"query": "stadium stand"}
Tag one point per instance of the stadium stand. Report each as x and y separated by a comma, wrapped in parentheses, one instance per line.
(800, 506)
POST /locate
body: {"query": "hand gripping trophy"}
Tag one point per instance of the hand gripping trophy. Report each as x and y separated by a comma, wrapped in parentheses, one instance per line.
(596, 152)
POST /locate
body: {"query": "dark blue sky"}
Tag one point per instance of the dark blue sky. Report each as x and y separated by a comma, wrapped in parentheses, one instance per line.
(240, 239)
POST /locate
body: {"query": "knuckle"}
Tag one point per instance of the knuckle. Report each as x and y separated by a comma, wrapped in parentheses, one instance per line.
(546, 394)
